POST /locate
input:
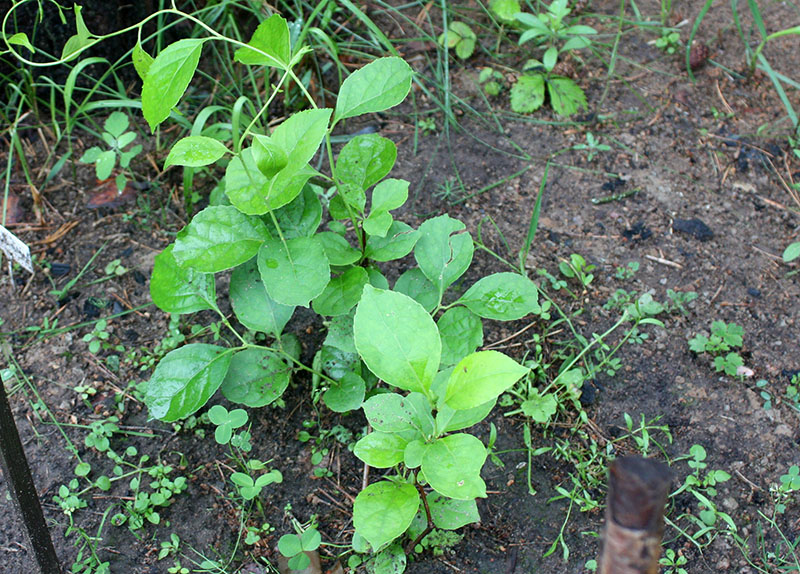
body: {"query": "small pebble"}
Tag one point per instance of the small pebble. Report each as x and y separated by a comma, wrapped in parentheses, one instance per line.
(753, 292)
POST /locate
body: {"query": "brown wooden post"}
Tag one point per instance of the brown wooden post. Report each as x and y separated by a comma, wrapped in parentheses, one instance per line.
(637, 491)
(23, 491)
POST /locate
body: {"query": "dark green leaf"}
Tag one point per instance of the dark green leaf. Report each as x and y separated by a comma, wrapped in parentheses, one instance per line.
(295, 273)
(253, 306)
(185, 379)
(342, 293)
(503, 297)
(398, 242)
(461, 332)
(256, 377)
(175, 289)
(414, 284)
(218, 238)
(346, 395)
(444, 250)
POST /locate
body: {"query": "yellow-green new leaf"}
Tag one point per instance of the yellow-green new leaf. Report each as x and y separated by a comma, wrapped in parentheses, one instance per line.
(167, 79)
(481, 377)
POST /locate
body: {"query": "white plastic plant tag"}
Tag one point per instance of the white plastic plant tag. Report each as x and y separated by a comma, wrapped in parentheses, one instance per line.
(15, 249)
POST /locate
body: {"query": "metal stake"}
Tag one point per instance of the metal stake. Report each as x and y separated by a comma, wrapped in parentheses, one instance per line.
(23, 491)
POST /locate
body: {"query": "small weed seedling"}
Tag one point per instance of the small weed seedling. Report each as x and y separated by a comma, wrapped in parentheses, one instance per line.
(577, 268)
(673, 562)
(459, 36)
(670, 41)
(723, 338)
(295, 546)
(592, 147)
(552, 31)
(117, 138)
(627, 273)
(492, 81)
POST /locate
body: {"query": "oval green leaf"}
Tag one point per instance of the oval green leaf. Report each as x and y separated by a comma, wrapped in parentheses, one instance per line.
(185, 379)
(195, 151)
(461, 332)
(256, 377)
(452, 466)
(342, 293)
(294, 273)
(503, 297)
(218, 238)
(252, 305)
(481, 377)
(384, 510)
(167, 79)
(175, 289)
(444, 250)
(378, 86)
(381, 450)
(397, 339)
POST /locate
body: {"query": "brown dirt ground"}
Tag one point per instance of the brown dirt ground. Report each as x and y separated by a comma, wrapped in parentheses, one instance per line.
(666, 141)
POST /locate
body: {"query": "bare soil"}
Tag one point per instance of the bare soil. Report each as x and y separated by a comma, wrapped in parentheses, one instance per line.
(709, 150)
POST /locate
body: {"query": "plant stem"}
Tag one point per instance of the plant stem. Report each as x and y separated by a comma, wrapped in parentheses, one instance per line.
(429, 527)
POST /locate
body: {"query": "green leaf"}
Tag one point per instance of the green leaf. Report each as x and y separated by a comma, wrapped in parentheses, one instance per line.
(461, 332)
(397, 339)
(365, 160)
(443, 252)
(338, 249)
(175, 289)
(414, 284)
(270, 157)
(566, 96)
(80, 40)
(381, 450)
(294, 273)
(393, 413)
(540, 407)
(337, 363)
(449, 420)
(301, 217)
(21, 39)
(289, 545)
(116, 124)
(340, 333)
(384, 510)
(527, 94)
(792, 252)
(503, 297)
(218, 238)
(505, 9)
(91, 155)
(167, 79)
(256, 377)
(272, 38)
(346, 395)
(105, 164)
(251, 303)
(195, 151)
(398, 242)
(185, 379)
(387, 195)
(452, 466)
(299, 136)
(378, 86)
(141, 60)
(342, 293)
(481, 377)
(449, 514)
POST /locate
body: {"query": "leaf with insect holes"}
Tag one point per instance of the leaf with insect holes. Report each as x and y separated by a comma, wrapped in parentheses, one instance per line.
(384, 510)
(452, 466)
(141, 61)
(444, 250)
(378, 86)
(218, 238)
(195, 151)
(185, 379)
(176, 289)
(527, 94)
(397, 339)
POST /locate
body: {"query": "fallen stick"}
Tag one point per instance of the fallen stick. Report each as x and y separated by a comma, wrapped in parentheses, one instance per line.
(637, 491)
